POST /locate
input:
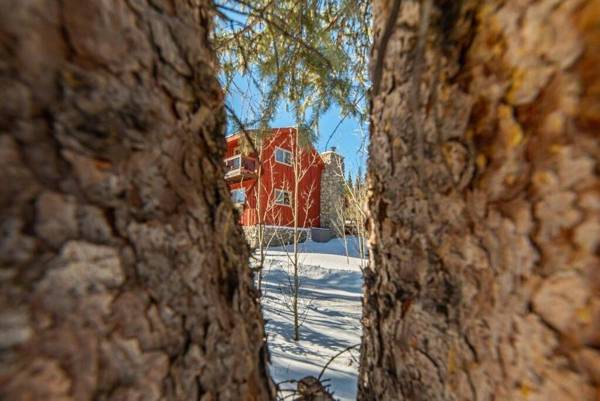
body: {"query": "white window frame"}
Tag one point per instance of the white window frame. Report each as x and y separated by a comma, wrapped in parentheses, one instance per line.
(235, 159)
(243, 190)
(285, 151)
(277, 191)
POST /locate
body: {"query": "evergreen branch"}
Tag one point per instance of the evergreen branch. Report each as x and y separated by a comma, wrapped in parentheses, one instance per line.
(346, 114)
(242, 127)
(278, 25)
(248, 27)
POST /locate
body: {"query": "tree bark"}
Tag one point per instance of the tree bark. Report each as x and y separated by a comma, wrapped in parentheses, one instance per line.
(123, 274)
(485, 202)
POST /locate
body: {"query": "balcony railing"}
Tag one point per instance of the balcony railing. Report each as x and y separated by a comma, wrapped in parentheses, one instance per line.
(240, 168)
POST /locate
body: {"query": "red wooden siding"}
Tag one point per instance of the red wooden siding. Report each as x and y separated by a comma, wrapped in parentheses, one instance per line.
(275, 175)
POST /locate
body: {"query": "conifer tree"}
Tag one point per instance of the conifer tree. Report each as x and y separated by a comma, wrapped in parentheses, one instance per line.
(308, 54)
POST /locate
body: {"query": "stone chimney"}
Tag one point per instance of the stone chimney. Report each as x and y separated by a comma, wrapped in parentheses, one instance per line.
(332, 189)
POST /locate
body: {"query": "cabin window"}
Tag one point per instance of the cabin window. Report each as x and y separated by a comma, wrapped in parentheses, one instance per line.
(283, 156)
(283, 197)
(238, 196)
(234, 163)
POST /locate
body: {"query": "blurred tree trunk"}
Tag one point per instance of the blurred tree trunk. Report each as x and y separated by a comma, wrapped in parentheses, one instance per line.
(485, 202)
(123, 275)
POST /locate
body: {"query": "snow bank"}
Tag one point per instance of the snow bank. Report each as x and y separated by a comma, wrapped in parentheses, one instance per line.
(331, 284)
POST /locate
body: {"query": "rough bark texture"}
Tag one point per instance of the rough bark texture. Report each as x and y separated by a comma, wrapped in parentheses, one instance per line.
(122, 273)
(485, 203)
(311, 389)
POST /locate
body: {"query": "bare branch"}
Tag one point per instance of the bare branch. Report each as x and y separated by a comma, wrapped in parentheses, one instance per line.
(335, 356)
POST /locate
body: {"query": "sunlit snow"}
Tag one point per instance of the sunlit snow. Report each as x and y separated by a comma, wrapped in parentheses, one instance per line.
(331, 285)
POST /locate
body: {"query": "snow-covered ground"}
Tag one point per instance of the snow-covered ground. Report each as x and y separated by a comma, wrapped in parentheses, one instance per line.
(331, 284)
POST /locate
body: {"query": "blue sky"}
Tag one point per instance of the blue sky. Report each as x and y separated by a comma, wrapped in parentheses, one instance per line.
(348, 137)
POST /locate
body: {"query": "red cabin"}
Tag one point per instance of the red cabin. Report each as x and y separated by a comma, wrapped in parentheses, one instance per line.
(263, 180)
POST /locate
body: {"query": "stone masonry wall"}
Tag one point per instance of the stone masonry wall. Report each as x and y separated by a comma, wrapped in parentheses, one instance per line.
(332, 189)
(273, 236)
